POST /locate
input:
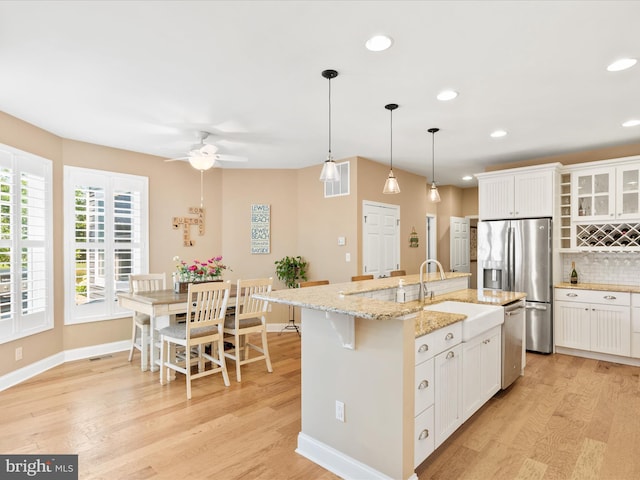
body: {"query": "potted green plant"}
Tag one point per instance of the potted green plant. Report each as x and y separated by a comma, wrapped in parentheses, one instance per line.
(291, 270)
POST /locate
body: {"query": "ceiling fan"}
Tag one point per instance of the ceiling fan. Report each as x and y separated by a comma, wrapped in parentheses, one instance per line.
(202, 156)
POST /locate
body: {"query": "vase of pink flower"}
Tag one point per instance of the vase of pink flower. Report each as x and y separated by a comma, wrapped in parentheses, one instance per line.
(210, 270)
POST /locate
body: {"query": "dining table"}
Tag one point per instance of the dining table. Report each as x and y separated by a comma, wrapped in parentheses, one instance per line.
(162, 306)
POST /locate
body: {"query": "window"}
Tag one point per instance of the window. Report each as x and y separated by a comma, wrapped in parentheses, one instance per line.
(26, 267)
(339, 187)
(106, 240)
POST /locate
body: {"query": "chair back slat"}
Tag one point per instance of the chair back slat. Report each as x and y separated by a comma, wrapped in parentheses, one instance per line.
(208, 304)
(246, 305)
(147, 282)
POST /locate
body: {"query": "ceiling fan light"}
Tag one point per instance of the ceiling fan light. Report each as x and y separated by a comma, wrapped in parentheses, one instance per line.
(391, 185)
(329, 171)
(200, 162)
(434, 196)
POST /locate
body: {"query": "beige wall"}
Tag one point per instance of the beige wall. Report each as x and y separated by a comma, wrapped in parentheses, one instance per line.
(321, 221)
(594, 155)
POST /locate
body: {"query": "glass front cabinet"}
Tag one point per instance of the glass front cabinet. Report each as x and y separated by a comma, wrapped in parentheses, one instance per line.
(593, 195)
(627, 192)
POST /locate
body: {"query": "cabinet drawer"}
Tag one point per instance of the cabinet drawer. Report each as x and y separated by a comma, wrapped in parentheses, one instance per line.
(593, 296)
(433, 343)
(635, 299)
(423, 386)
(423, 440)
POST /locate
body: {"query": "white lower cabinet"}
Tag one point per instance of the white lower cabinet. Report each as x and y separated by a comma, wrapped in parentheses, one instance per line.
(597, 321)
(635, 325)
(481, 370)
(427, 350)
(448, 393)
(423, 441)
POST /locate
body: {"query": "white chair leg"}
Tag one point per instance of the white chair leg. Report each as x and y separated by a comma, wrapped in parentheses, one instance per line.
(144, 347)
(133, 340)
(188, 371)
(223, 364)
(265, 349)
(239, 354)
(163, 371)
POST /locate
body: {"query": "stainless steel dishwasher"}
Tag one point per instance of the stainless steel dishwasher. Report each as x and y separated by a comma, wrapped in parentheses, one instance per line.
(512, 341)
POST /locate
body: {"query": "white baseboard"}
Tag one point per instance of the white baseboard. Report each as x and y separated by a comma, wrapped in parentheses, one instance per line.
(635, 362)
(337, 462)
(25, 373)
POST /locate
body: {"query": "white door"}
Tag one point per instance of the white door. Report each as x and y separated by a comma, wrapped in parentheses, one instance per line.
(380, 238)
(459, 236)
(432, 241)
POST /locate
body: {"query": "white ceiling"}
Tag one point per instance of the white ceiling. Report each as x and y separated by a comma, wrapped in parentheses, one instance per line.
(146, 76)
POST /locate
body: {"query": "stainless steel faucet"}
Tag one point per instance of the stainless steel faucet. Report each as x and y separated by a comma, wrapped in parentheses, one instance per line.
(423, 283)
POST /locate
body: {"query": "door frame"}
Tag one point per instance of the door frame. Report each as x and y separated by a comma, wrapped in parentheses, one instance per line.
(431, 234)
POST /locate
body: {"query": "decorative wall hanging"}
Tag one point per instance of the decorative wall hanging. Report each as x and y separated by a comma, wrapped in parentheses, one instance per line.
(186, 223)
(413, 238)
(473, 243)
(260, 228)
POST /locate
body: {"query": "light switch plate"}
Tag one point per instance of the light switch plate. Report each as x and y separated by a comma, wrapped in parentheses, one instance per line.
(342, 241)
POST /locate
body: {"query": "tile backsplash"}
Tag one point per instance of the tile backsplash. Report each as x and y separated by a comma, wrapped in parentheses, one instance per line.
(619, 268)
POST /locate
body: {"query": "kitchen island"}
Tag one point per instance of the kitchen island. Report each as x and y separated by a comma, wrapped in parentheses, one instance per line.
(359, 369)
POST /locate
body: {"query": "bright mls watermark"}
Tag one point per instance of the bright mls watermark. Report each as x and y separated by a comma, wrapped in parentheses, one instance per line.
(53, 467)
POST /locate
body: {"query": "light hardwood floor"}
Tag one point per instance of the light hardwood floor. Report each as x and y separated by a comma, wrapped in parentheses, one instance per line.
(568, 418)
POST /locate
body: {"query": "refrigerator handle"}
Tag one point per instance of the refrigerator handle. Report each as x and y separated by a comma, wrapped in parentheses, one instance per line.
(512, 270)
(507, 275)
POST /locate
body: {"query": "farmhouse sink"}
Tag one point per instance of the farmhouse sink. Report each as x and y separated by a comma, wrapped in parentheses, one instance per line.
(480, 318)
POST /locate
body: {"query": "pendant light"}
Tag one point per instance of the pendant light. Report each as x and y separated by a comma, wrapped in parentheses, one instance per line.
(329, 169)
(391, 185)
(434, 196)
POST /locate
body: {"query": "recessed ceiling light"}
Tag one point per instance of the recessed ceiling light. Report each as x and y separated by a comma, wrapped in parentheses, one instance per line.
(447, 95)
(466, 178)
(622, 64)
(498, 133)
(378, 43)
(631, 123)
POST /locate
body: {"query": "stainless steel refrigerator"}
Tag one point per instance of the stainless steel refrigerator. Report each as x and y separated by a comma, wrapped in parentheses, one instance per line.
(515, 255)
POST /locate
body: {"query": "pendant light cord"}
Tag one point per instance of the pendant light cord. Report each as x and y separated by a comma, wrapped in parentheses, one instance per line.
(329, 117)
(433, 157)
(391, 142)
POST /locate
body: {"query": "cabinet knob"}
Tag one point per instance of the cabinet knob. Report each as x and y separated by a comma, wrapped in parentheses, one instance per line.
(450, 355)
(423, 434)
(423, 384)
(449, 336)
(423, 348)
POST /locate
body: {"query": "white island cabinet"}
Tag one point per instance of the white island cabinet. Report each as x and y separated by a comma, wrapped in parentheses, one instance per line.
(382, 382)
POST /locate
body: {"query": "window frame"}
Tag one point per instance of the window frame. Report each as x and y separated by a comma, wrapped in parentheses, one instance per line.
(27, 324)
(341, 186)
(106, 248)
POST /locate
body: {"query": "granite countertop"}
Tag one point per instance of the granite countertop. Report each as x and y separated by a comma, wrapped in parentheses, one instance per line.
(601, 287)
(342, 298)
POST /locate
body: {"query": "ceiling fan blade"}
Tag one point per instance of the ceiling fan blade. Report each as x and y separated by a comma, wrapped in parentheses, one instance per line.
(230, 158)
(174, 159)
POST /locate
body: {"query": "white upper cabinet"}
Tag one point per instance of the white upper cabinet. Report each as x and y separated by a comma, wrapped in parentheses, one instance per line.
(606, 194)
(593, 194)
(628, 192)
(517, 193)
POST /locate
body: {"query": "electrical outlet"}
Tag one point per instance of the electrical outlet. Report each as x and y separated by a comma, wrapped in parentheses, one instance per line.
(339, 411)
(18, 353)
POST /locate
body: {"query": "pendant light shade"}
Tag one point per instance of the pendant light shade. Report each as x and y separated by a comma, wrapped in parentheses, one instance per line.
(391, 185)
(329, 169)
(434, 196)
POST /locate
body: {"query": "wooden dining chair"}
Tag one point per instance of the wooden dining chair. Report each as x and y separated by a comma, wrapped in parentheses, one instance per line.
(206, 309)
(397, 273)
(357, 278)
(250, 316)
(313, 283)
(141, 321)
